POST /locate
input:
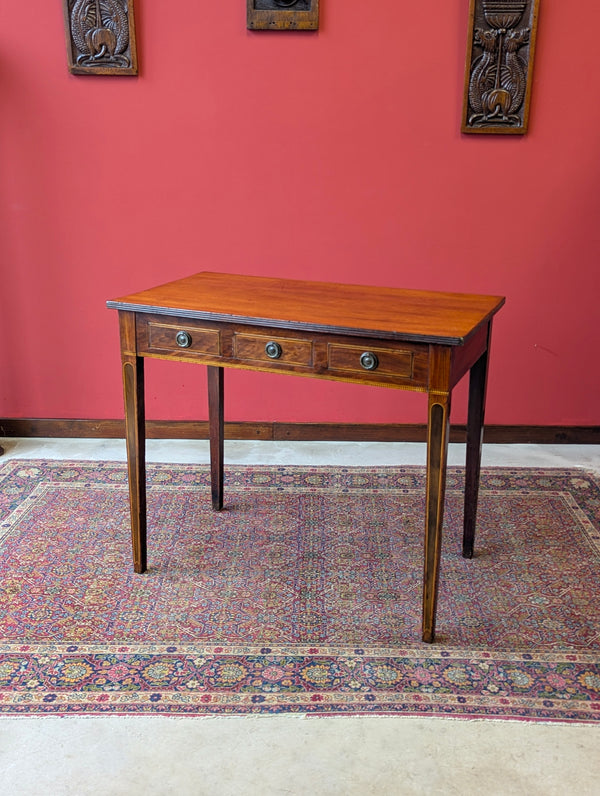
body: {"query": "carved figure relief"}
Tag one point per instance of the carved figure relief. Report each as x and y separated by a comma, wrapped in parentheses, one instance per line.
(100, 37)
(282, 14)
(499, 66)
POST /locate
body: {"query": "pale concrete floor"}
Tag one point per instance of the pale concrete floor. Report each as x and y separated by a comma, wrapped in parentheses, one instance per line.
(248, 756)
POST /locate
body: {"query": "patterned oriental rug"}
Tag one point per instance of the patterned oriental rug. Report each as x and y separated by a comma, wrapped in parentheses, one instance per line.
(302, 596)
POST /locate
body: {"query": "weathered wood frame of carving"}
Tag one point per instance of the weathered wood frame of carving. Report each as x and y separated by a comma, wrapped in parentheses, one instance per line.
(90, 59)
(282, 19)
(529, 20)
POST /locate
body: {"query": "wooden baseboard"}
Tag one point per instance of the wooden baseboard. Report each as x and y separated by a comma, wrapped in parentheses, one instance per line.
(361, 432)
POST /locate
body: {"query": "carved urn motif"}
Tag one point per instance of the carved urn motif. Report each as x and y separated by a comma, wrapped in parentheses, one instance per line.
(505, 14)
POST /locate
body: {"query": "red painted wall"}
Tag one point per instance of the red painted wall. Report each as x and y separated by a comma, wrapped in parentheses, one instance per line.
(333, 155)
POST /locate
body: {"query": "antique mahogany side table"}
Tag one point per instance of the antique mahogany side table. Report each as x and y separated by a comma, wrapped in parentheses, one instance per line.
(405, 339)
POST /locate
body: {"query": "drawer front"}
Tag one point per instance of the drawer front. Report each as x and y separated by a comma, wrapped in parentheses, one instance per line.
(370, 361)
(378, 361)
(181, 338)
(273, 350)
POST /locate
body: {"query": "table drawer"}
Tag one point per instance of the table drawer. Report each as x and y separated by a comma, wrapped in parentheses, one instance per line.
(378, 361)
(161, 337)
(370, 361)
(273, 349)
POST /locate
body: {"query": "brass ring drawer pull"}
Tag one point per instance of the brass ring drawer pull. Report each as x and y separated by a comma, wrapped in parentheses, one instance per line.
(183, 339)
(369, 361)
(273, 350)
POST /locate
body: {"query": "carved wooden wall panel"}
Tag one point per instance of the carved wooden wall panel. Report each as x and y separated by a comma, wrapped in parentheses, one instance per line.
(282, 14)
(499, 66)
(100, 37)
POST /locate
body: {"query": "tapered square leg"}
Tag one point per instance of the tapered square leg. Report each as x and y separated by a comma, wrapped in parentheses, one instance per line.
(215, 432)
(437, 457)
(133, 388)
(475, 420)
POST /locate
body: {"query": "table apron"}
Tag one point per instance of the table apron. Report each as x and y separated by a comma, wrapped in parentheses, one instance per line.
(349, 358)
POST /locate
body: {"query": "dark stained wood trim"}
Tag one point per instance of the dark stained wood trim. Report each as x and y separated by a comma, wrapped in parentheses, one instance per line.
(115, 429)
(335, 432)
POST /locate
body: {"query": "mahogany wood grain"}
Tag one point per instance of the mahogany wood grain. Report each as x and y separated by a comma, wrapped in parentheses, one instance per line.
(390, 313)
(252, 348)
(403, 339)
(325, 355)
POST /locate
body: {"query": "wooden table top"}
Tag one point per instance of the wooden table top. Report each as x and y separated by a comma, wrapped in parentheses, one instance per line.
(387, 313)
